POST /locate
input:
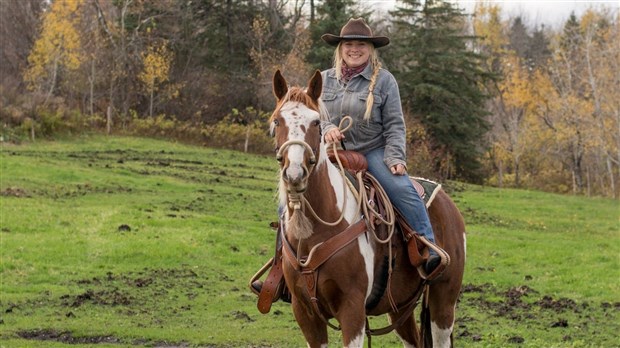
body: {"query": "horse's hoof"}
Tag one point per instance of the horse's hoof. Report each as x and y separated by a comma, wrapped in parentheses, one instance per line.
(432, 263)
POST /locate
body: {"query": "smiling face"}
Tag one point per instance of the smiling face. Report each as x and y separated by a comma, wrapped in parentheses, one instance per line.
(355, 52)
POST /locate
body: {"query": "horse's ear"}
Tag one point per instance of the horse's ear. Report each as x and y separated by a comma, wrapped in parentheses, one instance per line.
(279, 85)
(315, 86)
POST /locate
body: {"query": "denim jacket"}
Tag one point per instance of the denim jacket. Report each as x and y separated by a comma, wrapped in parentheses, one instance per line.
(386, 126)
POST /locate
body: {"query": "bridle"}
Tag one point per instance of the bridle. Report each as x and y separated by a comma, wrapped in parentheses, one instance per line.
(308, 148)
(296, 200)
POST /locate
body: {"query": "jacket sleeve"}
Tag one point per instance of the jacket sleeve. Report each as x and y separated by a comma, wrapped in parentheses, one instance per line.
(326, 123)
(394, 129)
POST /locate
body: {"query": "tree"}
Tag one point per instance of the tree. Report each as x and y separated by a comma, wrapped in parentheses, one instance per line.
(58, 48)
(576, 98)
(510, 105)
(511, 110)
(440, 79)
(18, 32)
(156, 61)
(538, 52)
(519, 38)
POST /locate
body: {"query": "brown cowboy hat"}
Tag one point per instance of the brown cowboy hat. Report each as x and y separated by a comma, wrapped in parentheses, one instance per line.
(356, 29)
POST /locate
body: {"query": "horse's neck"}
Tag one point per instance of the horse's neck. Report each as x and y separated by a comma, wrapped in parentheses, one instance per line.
(327, 184)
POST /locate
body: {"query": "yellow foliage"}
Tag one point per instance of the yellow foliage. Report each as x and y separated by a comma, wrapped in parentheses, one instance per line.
(516, 88)
(156, 67)
(489, 26)
(58, 44)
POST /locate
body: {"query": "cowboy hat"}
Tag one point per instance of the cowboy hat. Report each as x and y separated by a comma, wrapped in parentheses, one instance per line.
(356, 29)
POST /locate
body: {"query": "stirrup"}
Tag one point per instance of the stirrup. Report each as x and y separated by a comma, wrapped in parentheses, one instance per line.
(259, 274)
(443, 263)
(272, 288)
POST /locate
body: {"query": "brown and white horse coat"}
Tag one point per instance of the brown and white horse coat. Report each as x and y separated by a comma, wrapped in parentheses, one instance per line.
(353, 282)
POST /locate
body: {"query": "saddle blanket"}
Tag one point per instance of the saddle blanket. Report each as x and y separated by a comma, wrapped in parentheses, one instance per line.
(427, 189)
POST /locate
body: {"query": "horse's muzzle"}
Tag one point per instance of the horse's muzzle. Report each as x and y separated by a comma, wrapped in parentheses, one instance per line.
(295, 178)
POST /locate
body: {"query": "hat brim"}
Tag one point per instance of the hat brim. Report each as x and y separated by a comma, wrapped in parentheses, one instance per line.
(377, 41)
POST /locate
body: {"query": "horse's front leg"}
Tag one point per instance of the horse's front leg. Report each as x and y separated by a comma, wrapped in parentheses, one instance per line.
(313, 328)
(352, 319)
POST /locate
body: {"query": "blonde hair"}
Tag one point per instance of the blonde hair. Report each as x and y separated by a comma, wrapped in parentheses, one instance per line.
(376, 66)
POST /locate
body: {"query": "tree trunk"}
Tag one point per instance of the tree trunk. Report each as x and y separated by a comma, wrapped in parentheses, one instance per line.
(610, 172)
(588, 185)
(517, 174)
(109, 120)
(247, 139)
(151, 103)
(500, 174)
(53, 82)
(91, 80)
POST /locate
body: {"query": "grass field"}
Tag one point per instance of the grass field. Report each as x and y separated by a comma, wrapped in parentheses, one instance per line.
(120, 242)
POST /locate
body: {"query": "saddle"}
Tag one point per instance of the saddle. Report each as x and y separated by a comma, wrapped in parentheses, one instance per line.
(417, 246)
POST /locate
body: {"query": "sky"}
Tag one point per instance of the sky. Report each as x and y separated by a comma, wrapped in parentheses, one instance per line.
(549, 12)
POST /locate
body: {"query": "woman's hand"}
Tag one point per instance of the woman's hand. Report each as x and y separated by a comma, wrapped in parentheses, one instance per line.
(333, 136)
(398, 169)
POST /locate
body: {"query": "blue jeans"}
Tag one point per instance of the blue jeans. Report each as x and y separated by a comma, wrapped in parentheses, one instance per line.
(402, 194)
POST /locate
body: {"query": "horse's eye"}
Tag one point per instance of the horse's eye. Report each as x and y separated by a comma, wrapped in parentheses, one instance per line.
(276, 122)
(316, 123)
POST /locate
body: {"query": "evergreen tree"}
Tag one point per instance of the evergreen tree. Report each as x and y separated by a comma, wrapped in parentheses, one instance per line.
(440, 80)
(519, 38)
(538, 52)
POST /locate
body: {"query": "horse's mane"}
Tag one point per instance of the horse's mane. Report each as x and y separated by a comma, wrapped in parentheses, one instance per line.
(298, 94)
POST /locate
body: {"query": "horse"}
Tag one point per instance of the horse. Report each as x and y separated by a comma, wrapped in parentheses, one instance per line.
(349, 282)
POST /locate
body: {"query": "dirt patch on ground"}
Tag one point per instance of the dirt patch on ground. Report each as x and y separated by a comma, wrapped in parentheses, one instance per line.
(524, 306)
(64, 337)
(519, 305)
(14, 192)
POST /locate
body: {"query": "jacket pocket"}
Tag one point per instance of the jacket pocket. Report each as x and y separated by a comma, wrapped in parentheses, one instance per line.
(375, 116)
(328, 95)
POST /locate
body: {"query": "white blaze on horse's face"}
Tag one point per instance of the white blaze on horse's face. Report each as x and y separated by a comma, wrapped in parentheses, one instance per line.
(300, 124)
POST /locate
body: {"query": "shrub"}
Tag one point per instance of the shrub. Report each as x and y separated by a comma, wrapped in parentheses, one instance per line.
(245, 130)
(159, 125)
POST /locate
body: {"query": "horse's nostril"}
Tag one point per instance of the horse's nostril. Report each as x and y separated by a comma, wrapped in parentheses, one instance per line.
(294, 174)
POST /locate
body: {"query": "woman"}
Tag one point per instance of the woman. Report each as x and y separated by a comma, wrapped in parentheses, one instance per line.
(358, 86)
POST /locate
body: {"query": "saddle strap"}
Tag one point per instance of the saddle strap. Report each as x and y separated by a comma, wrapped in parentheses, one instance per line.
(317, 257)
(323, 251)
(273, 285)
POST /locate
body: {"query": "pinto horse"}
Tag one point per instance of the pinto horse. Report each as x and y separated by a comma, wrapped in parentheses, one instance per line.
(351, 282)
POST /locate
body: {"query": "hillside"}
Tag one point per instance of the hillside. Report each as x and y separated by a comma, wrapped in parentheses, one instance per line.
(120, 241)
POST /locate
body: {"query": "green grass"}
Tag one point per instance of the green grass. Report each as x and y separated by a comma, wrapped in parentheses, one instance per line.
(116, 241)
(568, 246)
